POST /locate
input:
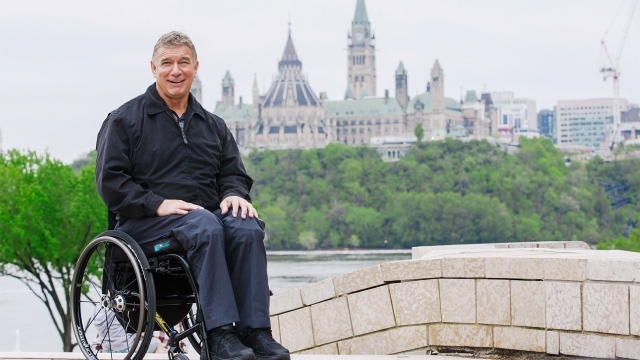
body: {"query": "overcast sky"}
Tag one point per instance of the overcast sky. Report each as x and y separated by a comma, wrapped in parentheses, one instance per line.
(66, 64)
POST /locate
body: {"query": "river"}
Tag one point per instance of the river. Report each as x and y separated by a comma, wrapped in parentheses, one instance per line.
(23, 315)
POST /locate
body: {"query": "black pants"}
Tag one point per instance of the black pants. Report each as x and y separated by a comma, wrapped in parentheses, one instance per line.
(227, 258)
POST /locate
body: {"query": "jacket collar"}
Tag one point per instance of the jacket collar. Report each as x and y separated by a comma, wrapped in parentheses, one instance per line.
(155, 104)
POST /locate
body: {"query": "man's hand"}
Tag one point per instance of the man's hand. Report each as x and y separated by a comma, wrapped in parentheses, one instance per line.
(235, 202)
(179, 207)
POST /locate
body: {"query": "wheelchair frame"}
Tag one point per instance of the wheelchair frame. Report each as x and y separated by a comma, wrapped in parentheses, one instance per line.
(124, 302)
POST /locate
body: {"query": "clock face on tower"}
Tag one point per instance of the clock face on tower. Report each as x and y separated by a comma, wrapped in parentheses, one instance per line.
(359, 37)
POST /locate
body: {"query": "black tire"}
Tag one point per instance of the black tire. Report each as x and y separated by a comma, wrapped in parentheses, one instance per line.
(180, 357)
(124, 300)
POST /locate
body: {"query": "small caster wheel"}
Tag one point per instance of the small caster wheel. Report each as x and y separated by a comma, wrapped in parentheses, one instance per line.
(180, 357)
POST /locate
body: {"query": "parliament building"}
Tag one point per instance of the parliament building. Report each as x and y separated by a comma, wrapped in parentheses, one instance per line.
(291, 116)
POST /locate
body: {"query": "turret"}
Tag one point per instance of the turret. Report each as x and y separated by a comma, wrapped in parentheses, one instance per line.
(401, 86)
(228, 88)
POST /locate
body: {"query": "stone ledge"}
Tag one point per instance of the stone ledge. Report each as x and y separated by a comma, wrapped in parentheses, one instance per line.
(78, 356)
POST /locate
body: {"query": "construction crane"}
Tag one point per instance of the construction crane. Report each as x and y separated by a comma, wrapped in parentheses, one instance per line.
(613, 70)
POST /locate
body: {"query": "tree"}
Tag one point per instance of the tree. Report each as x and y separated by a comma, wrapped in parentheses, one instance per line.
(419, 132)
(308, 240)
(48, 214)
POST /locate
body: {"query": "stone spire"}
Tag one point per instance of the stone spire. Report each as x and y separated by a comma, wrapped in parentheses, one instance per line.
(228, 90)
(254, 90)
(289, 57)
(360, 18)
(438, 118)
(196, 89)
(402, 87)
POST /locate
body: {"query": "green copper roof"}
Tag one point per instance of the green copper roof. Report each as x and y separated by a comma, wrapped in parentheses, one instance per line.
(363, 107)
(227, 77)
(234, 113)
(471, 97)
(401, 70)
(361, 18)
(451, 106)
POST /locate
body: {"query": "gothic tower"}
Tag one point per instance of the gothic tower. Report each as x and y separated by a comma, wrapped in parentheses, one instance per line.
(361, 59)
(401, 86)
(438, 119)
(227, 90)
(196, 89)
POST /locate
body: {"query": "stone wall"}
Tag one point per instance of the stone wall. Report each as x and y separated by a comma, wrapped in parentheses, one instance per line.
(558, 298)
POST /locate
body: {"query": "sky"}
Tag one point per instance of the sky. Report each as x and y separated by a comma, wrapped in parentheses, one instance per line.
(66, 64)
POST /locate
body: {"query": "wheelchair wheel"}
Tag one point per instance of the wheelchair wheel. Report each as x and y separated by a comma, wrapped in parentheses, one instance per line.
(195, 339)
(113, 298)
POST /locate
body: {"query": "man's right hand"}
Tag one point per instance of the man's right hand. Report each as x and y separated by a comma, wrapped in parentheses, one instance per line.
(179, 207)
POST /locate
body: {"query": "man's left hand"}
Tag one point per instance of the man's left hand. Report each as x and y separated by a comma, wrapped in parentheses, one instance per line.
(235, 202)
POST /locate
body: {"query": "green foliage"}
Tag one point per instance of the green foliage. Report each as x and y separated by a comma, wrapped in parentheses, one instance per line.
(445, 192)
(48, 213)
(419, 132)
(632, 243)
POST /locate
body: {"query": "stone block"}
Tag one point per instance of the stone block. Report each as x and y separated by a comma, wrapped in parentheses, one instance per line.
(467, 335)
(371, 310)
(416, 302)
(628, 348)
(463, 267)
(331, 321)
(411, 270)
(386, 342)
(576, 245)
(458, 300)
(522, 245)
(358, 280)
(613, 269)
(562, 268)
(513, 268)
(528, 303)
(328, 349)
(317, 292)
(295, 329)
(275, 328)
(606, 308)
(563, 306)
(494, 301)
(553, 342)
(516, 338)
(551, 244)
(634, 310)
(589, 345)
(286, 301)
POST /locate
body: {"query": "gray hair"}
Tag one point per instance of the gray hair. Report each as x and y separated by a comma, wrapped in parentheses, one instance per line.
(173, 39)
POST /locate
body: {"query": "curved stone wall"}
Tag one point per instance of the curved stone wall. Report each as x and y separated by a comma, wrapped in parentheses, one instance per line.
(558, 298)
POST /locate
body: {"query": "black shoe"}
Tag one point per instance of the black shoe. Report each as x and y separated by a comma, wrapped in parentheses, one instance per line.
(263, 344)
(224, 345)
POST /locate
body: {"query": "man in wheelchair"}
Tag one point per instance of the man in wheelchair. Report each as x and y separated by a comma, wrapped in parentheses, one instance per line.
(168, 168)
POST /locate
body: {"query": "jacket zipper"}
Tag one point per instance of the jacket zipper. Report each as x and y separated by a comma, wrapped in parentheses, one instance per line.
(180, 123)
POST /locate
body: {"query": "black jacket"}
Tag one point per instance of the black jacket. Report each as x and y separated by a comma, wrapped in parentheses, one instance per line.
(144, 157)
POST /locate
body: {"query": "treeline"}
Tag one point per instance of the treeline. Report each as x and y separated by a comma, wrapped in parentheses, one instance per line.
(446, 192)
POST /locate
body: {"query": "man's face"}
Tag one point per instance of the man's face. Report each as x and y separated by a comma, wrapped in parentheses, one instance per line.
(174, 69)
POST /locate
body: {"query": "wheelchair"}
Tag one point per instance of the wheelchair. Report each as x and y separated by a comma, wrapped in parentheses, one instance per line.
(137, 290)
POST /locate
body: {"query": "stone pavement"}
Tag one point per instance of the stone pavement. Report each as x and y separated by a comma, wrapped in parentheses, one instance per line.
(78, 356)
